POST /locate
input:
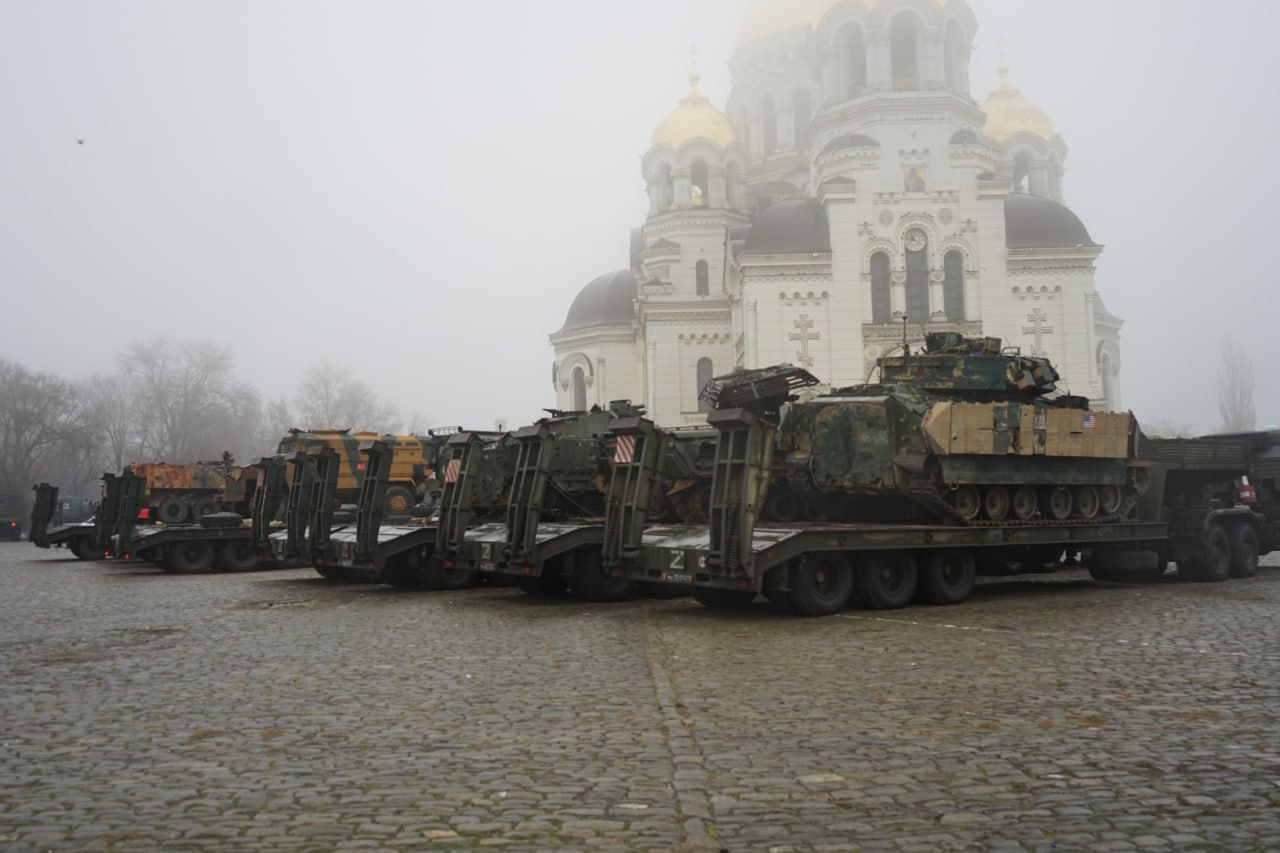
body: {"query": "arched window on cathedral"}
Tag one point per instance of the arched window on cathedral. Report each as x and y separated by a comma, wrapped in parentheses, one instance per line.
(881, 300)
(953, 286)
(904, 47)
(917, 278)
(699, 184)
(703, 276)
(705, 373)
(802, 115)
(665, 193)
(853, 60)
(769, 122)
(953, 56)
(579, 390)
(1022, 172)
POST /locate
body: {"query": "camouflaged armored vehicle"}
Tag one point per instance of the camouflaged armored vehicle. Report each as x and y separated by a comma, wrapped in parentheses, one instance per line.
(965, 431)
(413, 462)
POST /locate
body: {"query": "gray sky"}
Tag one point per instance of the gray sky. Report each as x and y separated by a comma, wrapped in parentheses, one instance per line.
(418, 189)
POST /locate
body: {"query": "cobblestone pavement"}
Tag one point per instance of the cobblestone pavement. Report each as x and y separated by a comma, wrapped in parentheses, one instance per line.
(275, 710)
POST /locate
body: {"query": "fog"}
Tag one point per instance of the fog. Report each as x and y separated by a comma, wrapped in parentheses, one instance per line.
(417, 190)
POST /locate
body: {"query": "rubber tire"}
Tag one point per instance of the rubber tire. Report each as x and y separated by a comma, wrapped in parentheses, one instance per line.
(436, 576)
(83, 549)
(592, 583)
(1215, 564)
(330, 573)
(724, 599)
(886, 581)
(403, 572)
(663, 591)
(171, 510)
(948, 577)
(238, 555)
(1244, 551)
(821, 584)
(191, 558)
(398, 495)
(202, 506)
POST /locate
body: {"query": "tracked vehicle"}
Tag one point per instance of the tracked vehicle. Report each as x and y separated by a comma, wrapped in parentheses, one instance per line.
(965, 431)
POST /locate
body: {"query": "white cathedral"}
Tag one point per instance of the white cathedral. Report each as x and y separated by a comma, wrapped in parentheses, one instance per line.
(855, 193)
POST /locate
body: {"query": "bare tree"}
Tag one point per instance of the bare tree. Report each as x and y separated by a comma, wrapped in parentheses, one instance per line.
(187, 405)
(1235, 388)
(330, 398)
(39, 417)
(107, 401)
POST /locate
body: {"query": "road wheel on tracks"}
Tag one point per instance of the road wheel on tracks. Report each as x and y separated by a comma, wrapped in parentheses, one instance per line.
(592, 582)
(886, 581)
(821, 584)
(238, 555)
(1024, 503)
(724, 599)
(1214, 563)
(947, 577)
(1087, 501)
(995, 503)
(191, 558)
(1056, 503)
(1244, 551)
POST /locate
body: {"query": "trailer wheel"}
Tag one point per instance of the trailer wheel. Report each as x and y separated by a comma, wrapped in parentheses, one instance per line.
(172, 510)
(191, 558)
(1214, 565)
(886, 581)
(948, 577)
(592, 582)
(83, 549)
(238, 555)
(404, 571)
(821, 584)
(330, 573)
(436, 576)
(724, 599)
(1244, 551)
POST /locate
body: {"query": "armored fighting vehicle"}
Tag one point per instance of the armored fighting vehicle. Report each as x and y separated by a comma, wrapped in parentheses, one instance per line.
(965, 431)
(413, 462)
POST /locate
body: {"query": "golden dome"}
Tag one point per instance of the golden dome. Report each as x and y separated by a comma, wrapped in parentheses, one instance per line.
(1008, 112)
(766, 17)
(695, 118)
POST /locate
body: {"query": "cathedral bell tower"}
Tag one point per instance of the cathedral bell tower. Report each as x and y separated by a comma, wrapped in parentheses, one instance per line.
(696, 174)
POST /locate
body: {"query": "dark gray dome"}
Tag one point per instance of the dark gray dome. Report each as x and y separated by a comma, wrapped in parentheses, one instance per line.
(792, 227)
(1034, 222)
(607, 301)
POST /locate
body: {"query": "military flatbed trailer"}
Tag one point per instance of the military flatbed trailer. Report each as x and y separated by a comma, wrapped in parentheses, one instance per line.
(221, 541)
(77, 537)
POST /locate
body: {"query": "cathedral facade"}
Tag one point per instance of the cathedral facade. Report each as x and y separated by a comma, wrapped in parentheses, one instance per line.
(851, 197)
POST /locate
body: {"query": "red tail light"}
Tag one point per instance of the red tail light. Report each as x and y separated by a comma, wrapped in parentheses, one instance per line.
(144, 514)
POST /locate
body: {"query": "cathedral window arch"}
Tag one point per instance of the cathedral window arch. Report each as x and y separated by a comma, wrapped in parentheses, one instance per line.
(1055, 177)
(1108, 382)
(705, 373)
(953, 285)
(702, 276)
(579, 386)
(954, 56)
(769, 124)
(904, 51)
(665, 191)
(853, 60)
(802, 116)
(916, 243)
(1022, 171)
(881, 290)
(699, 184)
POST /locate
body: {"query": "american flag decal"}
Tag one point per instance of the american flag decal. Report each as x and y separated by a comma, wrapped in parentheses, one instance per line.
(625, 451)
(1090, 422)
(452, 470)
